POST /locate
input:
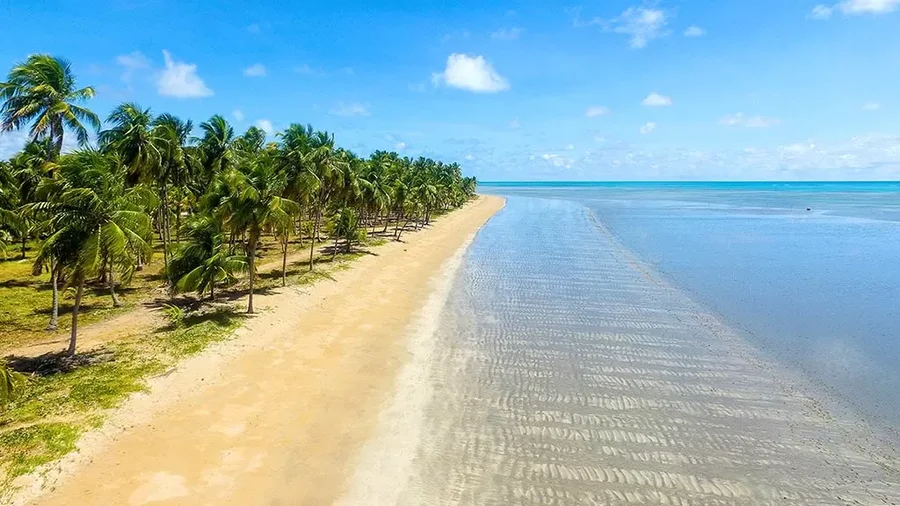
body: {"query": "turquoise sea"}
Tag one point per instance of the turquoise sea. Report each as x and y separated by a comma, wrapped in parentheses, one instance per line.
(808, 272)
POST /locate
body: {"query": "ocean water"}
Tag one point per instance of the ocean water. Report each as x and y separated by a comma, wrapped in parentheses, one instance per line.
(808, 272)
(566, 369)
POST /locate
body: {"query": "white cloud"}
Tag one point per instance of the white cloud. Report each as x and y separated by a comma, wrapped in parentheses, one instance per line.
(855, 7)
(266, 126)
(649, 127)
(657, 100)
(871, 106)
(255, 70)
(13, 142)
(134, 61)
(868, 6)
(821, 12)
(514, 124)
(596, 110)
(557, 160)
(350, 109)
(472, 73)
(570, 147)
(308, 71)
(180, 80)
(507, 33)
(641, 24)
(469, 157)
(739, 119)
(694, 31)
(600, 138)
(238, 114)
(400, 146)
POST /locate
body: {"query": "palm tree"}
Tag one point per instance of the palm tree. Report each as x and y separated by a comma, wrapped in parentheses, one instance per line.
(325, 165)
(42, 91)
(171, 136)
(252, 203)
(206, 258)
(11, 383)
(96, 222)
(215, 145)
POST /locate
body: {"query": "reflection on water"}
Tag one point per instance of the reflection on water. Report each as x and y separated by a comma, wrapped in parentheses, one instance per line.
(567, 373)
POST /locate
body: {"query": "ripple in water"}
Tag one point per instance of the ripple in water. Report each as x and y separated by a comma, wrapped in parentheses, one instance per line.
(567, 373)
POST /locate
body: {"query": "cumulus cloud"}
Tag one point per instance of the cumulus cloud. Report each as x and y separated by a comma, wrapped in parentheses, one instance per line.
(266, 126)
(556, 160)
(308, 71)
(868, 6)
(657, 100)
(871, 106)
(400, 146)
(821, 12)
(855, 7)
(180, 80)
(507, 33)
(132, 62)
(469, 157)
(694, 31)
(471, 73)
(238, 114)
(12, 142)
(351, 109)
(739, 119)
(255, 70)
(649, 127)
(641, 25)
(514, 124)
(596, 110)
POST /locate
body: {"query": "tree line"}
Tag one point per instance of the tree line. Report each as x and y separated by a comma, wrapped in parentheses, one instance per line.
(207, 194)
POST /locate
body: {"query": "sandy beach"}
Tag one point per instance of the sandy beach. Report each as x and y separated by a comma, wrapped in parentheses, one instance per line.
(276, 415)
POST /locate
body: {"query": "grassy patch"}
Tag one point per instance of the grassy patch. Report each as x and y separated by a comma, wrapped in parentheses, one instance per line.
(62, 400)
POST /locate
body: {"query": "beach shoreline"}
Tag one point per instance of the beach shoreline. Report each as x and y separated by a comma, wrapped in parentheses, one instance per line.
(280, 411)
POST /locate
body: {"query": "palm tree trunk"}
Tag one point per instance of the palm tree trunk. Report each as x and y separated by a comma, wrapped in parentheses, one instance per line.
(112, 287)
(334, 250)
(312, 242)
(54, 283)
(24, 238)
(252, 272)
(165, 231)
(74, 337)
(284, 251)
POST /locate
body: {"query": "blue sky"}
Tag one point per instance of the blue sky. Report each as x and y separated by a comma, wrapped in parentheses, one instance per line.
(690, 89)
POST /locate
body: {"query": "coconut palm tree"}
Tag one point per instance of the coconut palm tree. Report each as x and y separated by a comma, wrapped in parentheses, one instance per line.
(171, 136)
(252, 203)
(206, 259)
(11, 383)
(325, 164)
(95, 222)
(214, 145)
(42, 92)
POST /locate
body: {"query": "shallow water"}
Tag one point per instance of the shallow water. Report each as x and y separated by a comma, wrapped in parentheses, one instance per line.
(567, 372)
(810, 272)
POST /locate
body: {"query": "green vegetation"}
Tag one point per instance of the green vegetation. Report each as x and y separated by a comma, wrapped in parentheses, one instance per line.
(156, 211)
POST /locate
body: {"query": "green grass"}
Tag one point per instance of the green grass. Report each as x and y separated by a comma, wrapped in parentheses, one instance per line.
(45, 422)
(61, 401)
(25, 300)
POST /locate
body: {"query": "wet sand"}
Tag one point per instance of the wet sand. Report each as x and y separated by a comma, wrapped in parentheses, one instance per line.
(565, 372)
(276, 415)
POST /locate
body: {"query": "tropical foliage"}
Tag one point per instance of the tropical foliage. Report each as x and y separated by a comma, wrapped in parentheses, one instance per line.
(208, 196)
